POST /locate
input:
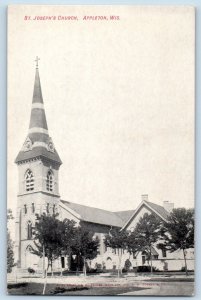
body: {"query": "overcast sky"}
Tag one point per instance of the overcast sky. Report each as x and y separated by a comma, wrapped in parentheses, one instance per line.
(119, 101)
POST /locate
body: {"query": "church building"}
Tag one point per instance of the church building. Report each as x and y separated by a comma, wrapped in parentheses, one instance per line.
(38, 167)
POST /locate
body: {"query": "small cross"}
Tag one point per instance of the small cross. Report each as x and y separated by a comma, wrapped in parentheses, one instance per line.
(36, 60)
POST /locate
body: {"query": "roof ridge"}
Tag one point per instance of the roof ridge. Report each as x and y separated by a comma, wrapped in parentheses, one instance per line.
(154, 203)
(88, 206)
(94, 214)
(123, 210)
(160, 209)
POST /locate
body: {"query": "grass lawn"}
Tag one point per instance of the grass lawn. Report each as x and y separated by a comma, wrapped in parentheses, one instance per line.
(55, 289)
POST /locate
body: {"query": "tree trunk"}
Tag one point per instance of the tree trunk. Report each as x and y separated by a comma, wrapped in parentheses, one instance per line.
(186, 269)
(43, 261)
(51, 269)
(77, 273)
(45, 281)
(61, 270)
(119, 266)
(151, 261)
(84, 268)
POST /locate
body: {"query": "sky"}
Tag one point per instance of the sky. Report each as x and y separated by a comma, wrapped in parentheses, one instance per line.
(118, 96)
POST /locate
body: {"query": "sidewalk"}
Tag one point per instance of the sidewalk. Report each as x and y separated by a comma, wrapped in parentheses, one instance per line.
(156, 287)
(166, 289)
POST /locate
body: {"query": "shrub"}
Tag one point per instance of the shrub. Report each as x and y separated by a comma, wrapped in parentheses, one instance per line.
(124, 270)
(98, 267)
(127, 265)
(31, 271)
(146, 269)
(92, 270)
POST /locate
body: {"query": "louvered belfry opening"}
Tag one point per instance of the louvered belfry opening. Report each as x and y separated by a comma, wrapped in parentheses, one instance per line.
(29, 181)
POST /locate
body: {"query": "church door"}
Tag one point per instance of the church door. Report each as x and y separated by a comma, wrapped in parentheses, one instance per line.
(76, 263)
(30, 259)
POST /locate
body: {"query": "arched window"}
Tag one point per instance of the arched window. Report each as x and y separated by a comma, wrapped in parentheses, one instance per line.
(49, 182)
(48, 208)
(29, 230)
(29, 181)
(33, 208)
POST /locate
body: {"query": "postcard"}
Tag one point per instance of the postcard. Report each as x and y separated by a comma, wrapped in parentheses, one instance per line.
(100, 168)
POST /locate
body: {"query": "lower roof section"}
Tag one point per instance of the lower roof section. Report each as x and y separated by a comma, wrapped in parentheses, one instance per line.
(38, 152)
(95, 215)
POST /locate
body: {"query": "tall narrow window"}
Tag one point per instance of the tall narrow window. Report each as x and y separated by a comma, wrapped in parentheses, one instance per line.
(33, 208)
(25, 209)
(48, 208)
(29, 181)
(53, 209)
(164, 252)
(29, 230)
(49, 181)
(63, 262)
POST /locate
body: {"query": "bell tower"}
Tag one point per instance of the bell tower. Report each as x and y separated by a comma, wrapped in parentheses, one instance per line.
(38, 166)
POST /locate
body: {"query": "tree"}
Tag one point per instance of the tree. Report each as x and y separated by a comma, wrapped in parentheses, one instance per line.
(118, 240)
(10, 252)
(178, 232)
(145, 235)
(84, 245)
(66, 232)
(52, 237)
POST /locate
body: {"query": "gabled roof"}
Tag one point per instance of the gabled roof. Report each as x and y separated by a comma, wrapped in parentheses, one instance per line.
(95, 215)
(117, 219)
(158, 208)
(153, 251)
(125, 215)
(155, 208)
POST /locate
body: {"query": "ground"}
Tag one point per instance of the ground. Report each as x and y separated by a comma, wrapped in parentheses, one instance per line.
(55, 289)
(106, 284)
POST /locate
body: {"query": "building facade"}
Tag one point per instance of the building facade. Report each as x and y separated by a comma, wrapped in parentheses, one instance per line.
(38, 166)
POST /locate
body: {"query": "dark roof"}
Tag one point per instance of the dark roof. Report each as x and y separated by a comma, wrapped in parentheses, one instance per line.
(125, 215)
(159, 209)
(39, 137)
(153, 251)
(38, 152)
(38, 118)
(37, 93)
(105, 217)
(95, 215)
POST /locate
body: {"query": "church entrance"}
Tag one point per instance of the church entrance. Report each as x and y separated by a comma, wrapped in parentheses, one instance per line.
(31, 260)
(76, 263)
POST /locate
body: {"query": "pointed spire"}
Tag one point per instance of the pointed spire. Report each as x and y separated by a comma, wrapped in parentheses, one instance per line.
(38, 121)
(38, 141)
(37, 94)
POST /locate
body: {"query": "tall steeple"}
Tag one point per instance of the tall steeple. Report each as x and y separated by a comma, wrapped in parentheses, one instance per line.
(38, 141)
(38, 173)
